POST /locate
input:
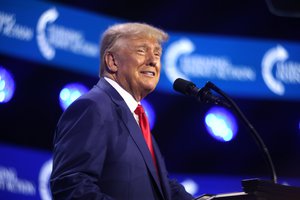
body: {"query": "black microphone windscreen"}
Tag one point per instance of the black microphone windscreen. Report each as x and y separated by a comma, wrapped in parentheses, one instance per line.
(183, 86)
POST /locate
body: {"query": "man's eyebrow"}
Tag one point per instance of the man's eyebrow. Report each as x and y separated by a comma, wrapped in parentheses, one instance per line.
(158, 48)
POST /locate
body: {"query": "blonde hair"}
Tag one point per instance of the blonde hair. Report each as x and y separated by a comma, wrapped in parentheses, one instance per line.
(126, 30)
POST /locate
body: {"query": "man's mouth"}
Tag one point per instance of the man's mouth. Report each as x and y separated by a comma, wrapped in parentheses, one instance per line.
(148, 73)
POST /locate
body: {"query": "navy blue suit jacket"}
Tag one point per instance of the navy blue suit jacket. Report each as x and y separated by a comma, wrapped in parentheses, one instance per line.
(100, 153)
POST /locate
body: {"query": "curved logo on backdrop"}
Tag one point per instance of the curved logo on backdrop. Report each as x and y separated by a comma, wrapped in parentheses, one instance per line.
(180, 62)
(44, 178)
(47, 17)
(277, 71)
(174, 51)
(269, 61)
(52, 37)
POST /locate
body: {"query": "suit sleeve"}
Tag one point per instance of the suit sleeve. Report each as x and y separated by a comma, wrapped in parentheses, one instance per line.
(79, 153)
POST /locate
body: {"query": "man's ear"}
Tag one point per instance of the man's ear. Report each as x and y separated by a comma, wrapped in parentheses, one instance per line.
(111, 63)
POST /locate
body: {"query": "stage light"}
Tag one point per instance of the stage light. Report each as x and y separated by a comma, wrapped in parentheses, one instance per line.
(221, 124)
(190, 186)
(7, 85)
(70, 93)
(149, 112)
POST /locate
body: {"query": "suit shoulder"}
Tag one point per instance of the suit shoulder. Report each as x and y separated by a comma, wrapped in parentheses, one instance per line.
(95, 99)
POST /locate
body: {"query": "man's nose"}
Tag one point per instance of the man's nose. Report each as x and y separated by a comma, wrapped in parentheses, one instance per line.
(152, 60)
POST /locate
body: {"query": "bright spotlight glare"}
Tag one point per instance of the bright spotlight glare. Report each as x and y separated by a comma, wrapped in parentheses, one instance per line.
(149, 112)
(2, 83)
(70, 93)
(7, 85)
(75, 95)
(221, 124)
(64, 94)
(190, 186)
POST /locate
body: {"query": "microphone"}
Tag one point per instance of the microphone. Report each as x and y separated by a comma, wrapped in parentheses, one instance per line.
(202, 95)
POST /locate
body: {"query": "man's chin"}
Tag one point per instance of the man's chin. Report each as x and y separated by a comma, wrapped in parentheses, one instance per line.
(150, 86)
(147, 90)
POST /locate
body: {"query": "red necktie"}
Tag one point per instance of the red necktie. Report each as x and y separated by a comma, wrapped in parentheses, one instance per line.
(144, 124)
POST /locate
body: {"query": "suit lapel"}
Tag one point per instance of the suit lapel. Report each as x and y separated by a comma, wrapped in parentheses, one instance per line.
(133, 128)
(161, 168)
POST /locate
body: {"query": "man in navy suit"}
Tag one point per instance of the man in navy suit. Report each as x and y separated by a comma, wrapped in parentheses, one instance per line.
(99, 148)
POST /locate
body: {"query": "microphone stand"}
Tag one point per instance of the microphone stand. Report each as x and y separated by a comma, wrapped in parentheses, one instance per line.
(253, 188)
(255, 134)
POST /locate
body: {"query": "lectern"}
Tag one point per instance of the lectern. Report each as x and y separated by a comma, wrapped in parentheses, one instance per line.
(255, 189)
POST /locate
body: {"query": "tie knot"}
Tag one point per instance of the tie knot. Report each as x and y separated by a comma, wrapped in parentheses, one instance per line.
(139, 110)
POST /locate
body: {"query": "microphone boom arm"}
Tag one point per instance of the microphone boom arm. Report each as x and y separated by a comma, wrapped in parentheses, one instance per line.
(255, 134)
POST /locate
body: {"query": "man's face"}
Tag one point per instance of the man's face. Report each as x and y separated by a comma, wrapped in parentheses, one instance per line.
(138, 65)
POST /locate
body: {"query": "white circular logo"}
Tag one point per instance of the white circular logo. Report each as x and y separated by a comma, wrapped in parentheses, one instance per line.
(46, 49)
(172, 54)
(44, 178)
(270, 59)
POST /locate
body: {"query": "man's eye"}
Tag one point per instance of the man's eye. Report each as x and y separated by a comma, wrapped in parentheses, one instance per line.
(157, 54)
(141, 51)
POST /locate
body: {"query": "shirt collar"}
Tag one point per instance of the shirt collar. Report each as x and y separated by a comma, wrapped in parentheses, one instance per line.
(128, 98)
